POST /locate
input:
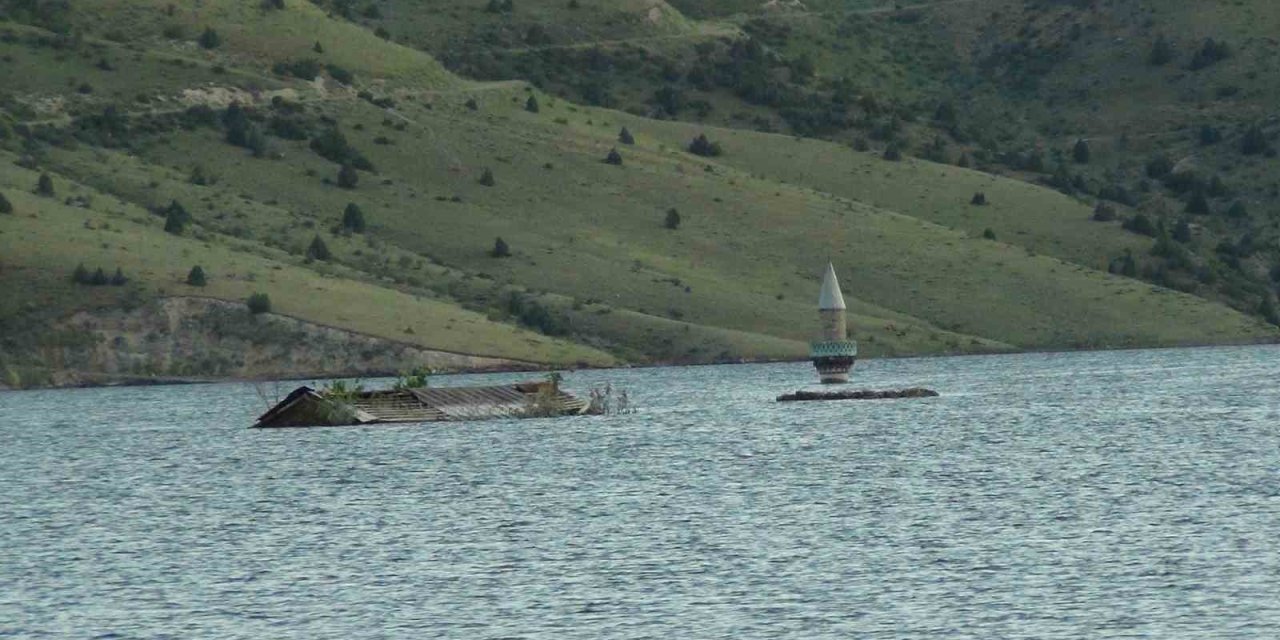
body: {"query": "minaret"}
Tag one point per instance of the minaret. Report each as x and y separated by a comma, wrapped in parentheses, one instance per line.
(835, 353)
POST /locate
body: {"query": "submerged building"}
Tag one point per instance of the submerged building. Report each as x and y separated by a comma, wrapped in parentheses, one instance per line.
(834, 354)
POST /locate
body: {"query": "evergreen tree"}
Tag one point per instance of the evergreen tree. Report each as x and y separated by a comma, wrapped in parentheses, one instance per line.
(118, 280)
(210, 39)
(5, 205)
(1268, 309)
(892, 153)
(353, 218)
(500, 249)
(472, 104)
(176, 218)
(256, 142)
(1238, 210)
(486, 178)
(44, 186)
(1254, 141)
(1081, 152)
(1209, 135)
(989, 234)
(1161, 52)
(80, 275)
(625, 137)
(259, 303)
(701, 146)
(979, 199)
(614, 158)
(1140, 224)
(1199, 204)
(1182, 231)
(673, 219)
(196, 277)
(531, 105)
(1104, 212)
(99, 278)
(1129, 266)
(317, 47)
(348, 177)
(318, 250)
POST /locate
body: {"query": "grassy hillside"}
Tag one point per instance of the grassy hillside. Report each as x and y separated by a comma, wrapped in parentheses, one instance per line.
(265, 162)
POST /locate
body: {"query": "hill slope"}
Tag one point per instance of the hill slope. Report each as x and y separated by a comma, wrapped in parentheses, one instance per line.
(262, 164)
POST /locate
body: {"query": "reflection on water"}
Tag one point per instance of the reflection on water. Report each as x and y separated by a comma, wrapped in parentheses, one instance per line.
(1042, 496)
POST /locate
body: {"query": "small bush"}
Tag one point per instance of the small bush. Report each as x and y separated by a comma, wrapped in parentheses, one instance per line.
(1254, 141)
(318, 250)
(44, 186)
(118, 279)
(1198, 204)
(701, 146)
(472, 104)
(209, 39)
(176, 218)
(500, 249)
(892, 153)
(1080, 153)
(531, 105)
(978, 199)
(1140, 224)
(259, 303)
(99, 278)
(196, 277)
(672, 220)
(486, 178)
(5, 205)
(353, 219)
(989, 234)
(348, 177)
(614, 158)
(1104, 212)
(1161, 52)
(80, 275)
(625, 137)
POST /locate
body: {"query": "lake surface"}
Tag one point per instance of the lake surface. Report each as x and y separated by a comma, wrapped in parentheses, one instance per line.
(1121, 494)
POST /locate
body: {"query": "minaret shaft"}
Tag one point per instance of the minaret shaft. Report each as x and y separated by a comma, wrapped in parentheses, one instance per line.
(833, 356)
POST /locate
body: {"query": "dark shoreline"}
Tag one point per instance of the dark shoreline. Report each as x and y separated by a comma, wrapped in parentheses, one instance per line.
(142, 381)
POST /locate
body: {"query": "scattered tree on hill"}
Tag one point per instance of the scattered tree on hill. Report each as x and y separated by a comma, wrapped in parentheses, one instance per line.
(1182, 231)
(979, 199)
(1128, 266)
(318, 250)
(472, 104)
(118, 279)
(1268, 309)
(341, 74)
(500, 248)
(672, 220)
(531, 105)
(892, 153)
(1161, 52)
(1254, 141)
(353, 219)
(176, 218)
(1159, 166)
(5, 205)
(382, 32)
(701, 146)
(259, 303)
(210, 39)
(1209, 135)
(256, 141)
(99, 278)
(1140, 224)
(1238, 210)
(486, 178)
(963, 162)
(348, 177)
(317, 47)
(614, 158)
(989, 234)
(1104, 212)
(1217, 188)
(1080, 153)
(625, 137)
(1211, 52)
(1198, 204)
(80, 275)
(44, 186)
(196, 277)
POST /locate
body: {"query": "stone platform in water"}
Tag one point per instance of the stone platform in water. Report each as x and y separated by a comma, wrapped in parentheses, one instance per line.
(862, 394)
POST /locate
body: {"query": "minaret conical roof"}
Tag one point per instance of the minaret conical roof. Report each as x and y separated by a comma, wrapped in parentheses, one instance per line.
(830, 298)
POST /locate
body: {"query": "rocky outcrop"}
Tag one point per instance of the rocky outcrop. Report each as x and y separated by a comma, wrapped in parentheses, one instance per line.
(864, 394)
(184, 338)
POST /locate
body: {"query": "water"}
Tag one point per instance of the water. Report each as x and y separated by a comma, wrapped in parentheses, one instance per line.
(1124, 494)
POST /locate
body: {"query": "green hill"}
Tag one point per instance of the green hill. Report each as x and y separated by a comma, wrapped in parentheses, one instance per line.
(260, 140)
